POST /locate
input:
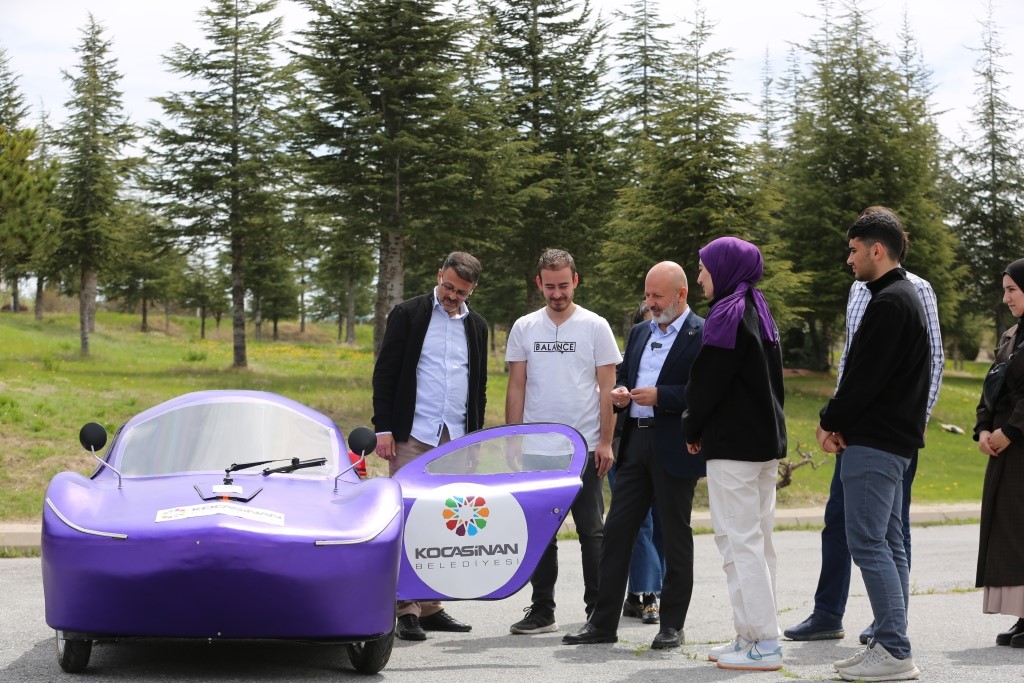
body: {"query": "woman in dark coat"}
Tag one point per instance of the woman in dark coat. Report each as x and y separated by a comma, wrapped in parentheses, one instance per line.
(1000, 434)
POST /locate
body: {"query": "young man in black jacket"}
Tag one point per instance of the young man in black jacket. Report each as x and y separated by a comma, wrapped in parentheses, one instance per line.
(877, 420)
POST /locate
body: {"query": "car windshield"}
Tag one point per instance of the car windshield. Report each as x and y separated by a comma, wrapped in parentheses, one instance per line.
(215, 435)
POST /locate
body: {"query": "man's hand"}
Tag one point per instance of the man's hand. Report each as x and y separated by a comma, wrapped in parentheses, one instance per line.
(620, 397)
(694, 448)
(386, 446)
(603, 459)
(645, 396)
(830, 442)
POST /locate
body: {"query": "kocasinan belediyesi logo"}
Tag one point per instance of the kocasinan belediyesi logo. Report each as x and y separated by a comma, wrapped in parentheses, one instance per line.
(466, 516)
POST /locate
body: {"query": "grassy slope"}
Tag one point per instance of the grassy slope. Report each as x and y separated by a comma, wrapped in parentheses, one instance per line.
(47, 391)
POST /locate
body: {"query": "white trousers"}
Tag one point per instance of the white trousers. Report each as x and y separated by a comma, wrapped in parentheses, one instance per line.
(742, 499)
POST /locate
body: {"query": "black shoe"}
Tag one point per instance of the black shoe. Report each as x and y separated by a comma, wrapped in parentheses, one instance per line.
(667, 638)
(867, 634)
(442, 621)
(1017, 640)
(816, 627)
(535, 621)
(631, 607)
(1006, 637)
(589, 635)
(652, 615)
(409, 628)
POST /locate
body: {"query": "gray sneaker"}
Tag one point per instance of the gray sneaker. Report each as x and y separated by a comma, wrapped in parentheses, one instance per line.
(879, 665)
(856, 658)
(534, 622)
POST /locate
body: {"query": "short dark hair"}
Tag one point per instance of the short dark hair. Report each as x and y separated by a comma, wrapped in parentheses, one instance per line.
(555, 259)
(877, 224)
(466, 266)
(892, 214)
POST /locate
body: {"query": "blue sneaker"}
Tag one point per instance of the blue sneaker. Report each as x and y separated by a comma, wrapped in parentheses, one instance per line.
(816, 627)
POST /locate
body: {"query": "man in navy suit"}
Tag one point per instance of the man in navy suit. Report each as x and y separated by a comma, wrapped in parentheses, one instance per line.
(653, 466)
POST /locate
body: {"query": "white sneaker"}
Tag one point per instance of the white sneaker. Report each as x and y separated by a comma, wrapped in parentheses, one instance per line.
(752, 659)
(879, 665)
(737, 644)
(856, 658)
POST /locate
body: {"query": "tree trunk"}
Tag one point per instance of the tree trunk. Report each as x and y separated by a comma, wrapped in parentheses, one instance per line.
(15, 301)
(390, 282)
(341, 324)
(40, 288)
(167, 317)
(302, 307)
(145, 317)
(86, 307)
(350, 312)
(238, 302)
(276, 337)
(202, 322)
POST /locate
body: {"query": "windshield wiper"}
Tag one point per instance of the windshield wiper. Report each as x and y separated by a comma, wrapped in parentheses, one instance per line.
(246, 465)
(296, 464)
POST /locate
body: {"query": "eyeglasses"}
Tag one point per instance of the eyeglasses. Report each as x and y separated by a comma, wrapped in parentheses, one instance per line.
(450, 288)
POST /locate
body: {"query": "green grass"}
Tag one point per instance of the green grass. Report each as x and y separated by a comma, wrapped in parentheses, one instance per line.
(48, 391)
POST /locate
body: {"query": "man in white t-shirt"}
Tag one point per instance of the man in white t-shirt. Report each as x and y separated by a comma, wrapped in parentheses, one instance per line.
(562, 362)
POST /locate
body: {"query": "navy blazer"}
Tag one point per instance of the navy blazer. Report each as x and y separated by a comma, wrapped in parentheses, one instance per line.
(394, 373)
(675, 373)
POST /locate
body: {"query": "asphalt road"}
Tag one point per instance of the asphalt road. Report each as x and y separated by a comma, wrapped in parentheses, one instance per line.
(952, 640)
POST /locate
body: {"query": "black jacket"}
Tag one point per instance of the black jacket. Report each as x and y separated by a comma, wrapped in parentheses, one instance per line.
(394, 374)
(671, 386)
(882, 397)
(735, 397)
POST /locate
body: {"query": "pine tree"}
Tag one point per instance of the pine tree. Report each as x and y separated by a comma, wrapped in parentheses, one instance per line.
(864, 136)
(550, 56)
(93, 141)
(217, 164)
(384, 143)
(988, 197)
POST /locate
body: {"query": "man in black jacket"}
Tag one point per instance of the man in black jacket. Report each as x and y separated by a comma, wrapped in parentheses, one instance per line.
(653, 465)
(877, 419)
(430, 386)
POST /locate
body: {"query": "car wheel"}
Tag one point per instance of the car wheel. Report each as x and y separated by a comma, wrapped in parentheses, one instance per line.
(73, 654)
(370, 656)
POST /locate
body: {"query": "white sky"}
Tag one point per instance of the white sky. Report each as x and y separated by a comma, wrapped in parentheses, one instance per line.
(39, 36)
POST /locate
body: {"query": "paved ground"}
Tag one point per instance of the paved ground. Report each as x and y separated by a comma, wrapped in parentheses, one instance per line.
(952, 640)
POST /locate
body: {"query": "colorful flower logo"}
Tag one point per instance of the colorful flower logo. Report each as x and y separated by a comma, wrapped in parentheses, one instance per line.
(466, 516)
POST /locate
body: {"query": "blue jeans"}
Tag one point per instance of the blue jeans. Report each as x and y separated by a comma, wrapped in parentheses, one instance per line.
(873, 488)
(647, 566)
(834, 581)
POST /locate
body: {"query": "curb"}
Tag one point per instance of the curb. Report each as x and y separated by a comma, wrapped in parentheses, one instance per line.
(26, 535)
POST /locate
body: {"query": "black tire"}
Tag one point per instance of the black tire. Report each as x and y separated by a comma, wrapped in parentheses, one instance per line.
(73, 654)
(370, 656)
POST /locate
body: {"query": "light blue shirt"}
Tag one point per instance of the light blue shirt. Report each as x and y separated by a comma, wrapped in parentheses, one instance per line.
(653, 358)
(442, 377)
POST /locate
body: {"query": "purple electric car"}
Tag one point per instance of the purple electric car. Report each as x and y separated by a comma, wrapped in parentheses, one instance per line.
(237, 515)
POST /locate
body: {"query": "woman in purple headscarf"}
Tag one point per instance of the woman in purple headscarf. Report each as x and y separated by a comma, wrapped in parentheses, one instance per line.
(735, 421)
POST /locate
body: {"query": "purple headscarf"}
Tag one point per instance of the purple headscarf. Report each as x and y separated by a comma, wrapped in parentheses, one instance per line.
(735, 266)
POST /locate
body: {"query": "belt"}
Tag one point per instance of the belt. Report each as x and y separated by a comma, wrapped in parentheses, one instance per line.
(642, 422)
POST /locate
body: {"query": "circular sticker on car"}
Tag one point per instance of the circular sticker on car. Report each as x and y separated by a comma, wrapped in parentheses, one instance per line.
(465, 540)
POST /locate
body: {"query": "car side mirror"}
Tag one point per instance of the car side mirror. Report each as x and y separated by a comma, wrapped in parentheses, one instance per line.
(93, 436)
(362, 440)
